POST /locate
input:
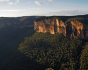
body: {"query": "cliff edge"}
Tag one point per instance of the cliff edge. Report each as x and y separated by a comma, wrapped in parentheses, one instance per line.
(72, 29)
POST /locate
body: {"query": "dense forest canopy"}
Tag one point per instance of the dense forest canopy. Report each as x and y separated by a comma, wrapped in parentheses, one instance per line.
(55, 51)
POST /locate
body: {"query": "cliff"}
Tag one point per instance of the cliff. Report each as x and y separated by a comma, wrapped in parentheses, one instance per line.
(72, 29)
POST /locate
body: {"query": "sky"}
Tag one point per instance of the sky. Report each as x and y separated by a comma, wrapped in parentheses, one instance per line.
(18, 8)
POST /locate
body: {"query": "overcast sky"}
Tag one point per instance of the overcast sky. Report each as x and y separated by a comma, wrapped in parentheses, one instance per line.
(16, 8)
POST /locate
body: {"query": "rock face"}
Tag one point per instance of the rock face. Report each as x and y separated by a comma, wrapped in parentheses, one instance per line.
(73, 29)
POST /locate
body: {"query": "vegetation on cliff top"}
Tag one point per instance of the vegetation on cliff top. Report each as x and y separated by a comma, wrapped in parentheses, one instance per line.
(80, 19)
(83, 19)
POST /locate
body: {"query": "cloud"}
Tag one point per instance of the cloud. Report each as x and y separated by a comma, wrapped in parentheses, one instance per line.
(10, 3)
(50, 0)
(3, 0)
(61, 13)
(38, 3)
(28, 2)
(17, 1)
(9, 10)
(67, 12)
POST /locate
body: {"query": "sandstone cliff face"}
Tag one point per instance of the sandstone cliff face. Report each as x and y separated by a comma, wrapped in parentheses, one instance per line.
(52, 26)
(76, 25)
(73, 29)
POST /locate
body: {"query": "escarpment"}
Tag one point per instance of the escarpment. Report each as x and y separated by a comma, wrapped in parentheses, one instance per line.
(72, 29)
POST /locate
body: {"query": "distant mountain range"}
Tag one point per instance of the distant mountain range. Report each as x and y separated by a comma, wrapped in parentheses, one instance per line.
(18, 22)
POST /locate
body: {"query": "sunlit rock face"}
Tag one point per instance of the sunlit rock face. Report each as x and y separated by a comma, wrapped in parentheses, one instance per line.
(77, 29)
(52, 26)
(73, 29)
(61, 27)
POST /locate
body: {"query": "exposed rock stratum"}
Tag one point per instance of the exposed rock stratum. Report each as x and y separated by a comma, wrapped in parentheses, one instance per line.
(73, 29)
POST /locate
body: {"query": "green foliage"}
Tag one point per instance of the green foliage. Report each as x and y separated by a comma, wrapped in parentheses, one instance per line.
(80, 19)
(24, 18)
(19, 22)
(75, 19)
(84, 58)
(49, 69)
(39, 18)
(54, 51)
(53, 18)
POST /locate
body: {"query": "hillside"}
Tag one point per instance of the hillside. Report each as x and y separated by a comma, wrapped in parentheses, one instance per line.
(12, 33)
(11, 58)
(60, 43)
(19, 22)
(11, 28)
(21, 48)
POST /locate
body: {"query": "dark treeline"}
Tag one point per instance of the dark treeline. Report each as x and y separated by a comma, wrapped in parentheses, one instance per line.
(82, 18)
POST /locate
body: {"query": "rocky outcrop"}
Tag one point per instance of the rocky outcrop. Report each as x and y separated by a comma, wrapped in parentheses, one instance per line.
(73, 29)
(77, 28)
(52, 26)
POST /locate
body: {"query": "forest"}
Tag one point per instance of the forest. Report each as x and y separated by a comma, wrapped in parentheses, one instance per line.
(56, 52)
(21, 48)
